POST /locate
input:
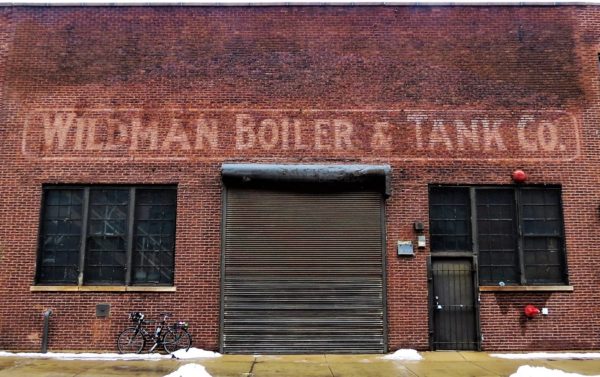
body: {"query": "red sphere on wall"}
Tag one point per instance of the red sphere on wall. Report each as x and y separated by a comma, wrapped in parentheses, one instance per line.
(531, 311)
(519, 176)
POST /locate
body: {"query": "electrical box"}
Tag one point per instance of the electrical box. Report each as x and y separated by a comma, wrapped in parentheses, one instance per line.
(102, 310)
(418, 226)
(405, 248)
(421, 242)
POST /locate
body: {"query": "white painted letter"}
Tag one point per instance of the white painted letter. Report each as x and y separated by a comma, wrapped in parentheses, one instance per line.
(91, 144)
(525, 144)
(116, 130)
(380, 139)
(285, 134)
(79, 132)
(491, 135)
(321, 132)
(268, 126)
(176, 135)
(342, 132)
(418, 119)
(206, 132)
(439, 135)
(547, 144)
(244, 131)
(59, 127)
(149, 134)
(469, 135)
(298, 135)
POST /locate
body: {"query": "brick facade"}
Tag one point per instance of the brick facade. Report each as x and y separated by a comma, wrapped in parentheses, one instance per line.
(84, 88)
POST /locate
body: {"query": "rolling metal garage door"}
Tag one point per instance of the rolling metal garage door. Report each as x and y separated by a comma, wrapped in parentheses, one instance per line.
(303, 272)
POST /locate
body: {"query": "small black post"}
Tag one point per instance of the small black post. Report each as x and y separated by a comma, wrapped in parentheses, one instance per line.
(47, 315)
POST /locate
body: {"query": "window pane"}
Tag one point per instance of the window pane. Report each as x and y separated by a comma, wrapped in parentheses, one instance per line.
(496, 233)
(543, 238)
(449, 217)
(154, 236)
(107, 236)
(60, 236)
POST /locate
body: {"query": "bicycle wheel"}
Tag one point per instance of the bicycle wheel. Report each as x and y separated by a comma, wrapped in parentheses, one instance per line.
(130, 340)
(176, 339)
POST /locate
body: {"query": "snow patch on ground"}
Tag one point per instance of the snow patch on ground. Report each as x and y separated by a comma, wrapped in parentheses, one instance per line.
(192, 353)
(404, 354)
(547, 355)
(190, 370)
(529, 371)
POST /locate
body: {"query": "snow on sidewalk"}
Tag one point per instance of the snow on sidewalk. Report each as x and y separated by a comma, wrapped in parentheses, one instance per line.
(193, 353)
(404, 355)
(547, 355)
(190, 370)
(529, 371)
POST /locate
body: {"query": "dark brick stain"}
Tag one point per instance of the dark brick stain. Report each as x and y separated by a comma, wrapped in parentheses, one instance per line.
(360, 56)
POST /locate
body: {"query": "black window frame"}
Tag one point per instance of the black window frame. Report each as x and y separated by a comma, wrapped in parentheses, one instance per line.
(130, 234)
(519, 234)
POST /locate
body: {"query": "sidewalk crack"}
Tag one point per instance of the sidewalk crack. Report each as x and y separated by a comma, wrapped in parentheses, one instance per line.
(329, 366)
(486, 369)
(251, 372)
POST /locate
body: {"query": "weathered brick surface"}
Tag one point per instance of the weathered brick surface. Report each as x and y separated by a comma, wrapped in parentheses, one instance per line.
(104, 71)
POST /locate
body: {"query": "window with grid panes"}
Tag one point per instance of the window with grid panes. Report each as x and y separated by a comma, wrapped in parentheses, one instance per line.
(107, 235)
(516, 232)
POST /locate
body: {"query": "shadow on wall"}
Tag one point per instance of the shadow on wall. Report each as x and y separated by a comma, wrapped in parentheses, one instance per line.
(508, 303)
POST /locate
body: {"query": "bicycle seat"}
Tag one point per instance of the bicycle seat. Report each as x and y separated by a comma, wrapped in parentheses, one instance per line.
(136, 316)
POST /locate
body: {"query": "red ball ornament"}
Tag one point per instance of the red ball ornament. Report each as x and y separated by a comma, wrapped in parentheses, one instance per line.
(531, 311)
(519, 176)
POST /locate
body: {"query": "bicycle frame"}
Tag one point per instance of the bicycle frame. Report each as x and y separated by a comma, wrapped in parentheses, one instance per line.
(159, 333)
(170, 337)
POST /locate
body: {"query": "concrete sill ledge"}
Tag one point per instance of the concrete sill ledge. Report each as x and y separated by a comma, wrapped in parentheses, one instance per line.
(527, 288)
(98, 288)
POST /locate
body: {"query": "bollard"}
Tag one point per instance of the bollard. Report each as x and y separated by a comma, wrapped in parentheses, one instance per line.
(47, 315)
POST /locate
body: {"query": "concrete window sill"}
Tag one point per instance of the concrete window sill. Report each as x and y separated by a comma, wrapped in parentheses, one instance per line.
(527, 288)
(98, 288)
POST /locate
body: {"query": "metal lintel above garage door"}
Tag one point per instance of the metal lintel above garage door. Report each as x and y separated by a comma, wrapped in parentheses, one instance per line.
(303, 268)
(364, 177)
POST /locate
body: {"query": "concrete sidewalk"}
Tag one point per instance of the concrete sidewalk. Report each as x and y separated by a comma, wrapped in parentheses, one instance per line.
(434, 364)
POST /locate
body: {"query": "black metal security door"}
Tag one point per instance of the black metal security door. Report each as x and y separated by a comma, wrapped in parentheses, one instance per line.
(453, 304)
(303, 272)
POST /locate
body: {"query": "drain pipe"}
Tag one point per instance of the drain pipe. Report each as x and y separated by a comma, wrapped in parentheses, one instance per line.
(47, 315)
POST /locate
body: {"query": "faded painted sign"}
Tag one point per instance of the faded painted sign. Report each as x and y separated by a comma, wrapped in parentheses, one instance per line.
(238, 133)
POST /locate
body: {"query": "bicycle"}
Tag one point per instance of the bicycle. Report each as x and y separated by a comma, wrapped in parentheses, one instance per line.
(171, 337)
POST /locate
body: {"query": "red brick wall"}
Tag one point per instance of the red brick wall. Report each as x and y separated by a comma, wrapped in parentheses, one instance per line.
(171, 66)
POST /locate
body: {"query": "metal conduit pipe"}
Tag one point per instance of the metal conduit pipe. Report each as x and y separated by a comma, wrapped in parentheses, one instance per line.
(47, 315)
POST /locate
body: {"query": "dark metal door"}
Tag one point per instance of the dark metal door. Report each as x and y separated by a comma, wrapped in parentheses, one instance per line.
(453, 305)
(303, 272)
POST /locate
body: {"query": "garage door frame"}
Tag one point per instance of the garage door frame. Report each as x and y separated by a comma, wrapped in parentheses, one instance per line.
(383, 232)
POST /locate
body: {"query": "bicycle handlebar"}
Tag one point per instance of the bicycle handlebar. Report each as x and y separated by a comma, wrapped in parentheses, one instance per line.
(141, 317)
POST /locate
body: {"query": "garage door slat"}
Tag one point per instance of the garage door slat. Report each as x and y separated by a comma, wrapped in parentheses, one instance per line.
(303, 272)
